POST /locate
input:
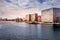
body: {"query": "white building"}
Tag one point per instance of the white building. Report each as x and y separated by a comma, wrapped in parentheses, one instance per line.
(28, 17)
(34, 17)
(51, 15)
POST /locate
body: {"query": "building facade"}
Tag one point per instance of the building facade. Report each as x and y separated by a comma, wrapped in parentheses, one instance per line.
(39, 18)
(34, 17)
(51, 15)
(28, 17)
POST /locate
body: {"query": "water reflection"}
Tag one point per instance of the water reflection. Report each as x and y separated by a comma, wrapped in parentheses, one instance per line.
(47, 32)
(23, 31)
(34, 31)
(56, 28)
(51, 32)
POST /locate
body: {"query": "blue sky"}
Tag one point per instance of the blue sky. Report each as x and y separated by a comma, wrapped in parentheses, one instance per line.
(29, 5)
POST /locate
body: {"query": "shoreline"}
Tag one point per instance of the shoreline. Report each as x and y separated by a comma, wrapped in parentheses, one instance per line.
(31, 22)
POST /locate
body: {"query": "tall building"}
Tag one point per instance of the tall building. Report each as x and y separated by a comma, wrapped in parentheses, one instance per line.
(51, 15)
(34, 17)
(28, 17)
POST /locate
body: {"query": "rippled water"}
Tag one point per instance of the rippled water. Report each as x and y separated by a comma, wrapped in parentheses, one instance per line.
(24, 31)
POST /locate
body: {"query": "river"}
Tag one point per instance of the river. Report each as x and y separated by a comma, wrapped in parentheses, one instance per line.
(24, 31)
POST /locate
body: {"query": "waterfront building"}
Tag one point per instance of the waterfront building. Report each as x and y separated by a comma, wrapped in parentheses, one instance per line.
(28, 17)
(24, 19)
(0, 19)
(34, 17)
(39, 18)
(51, 15)
(19, 19)
(5, 19)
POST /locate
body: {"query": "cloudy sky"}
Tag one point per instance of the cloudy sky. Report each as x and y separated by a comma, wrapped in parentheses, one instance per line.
(19, 8)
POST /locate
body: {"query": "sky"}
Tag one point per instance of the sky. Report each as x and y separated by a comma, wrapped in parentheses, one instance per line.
(20, 8)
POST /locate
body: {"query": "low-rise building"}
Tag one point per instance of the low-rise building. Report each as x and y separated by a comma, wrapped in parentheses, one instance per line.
(39, 18)
(32, 17)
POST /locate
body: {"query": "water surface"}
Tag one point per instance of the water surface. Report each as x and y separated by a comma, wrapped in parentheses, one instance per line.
(24, 31)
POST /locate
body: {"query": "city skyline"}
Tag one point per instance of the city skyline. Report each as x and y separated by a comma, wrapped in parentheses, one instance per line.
(19, 8)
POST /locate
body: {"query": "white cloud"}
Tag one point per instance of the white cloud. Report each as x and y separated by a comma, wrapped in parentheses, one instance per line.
(14, 13)
(29, 3)
(20, 3)
(15, 8)
(50, 4)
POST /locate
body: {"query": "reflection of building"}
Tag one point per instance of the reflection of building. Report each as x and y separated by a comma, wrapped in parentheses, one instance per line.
(51, 15)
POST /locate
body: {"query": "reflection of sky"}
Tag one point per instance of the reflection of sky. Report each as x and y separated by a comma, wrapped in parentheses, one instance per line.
(13, 5)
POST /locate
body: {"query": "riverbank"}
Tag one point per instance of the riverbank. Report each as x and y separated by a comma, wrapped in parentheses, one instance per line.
(49, 23)
(41, 23)
(29, 22)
